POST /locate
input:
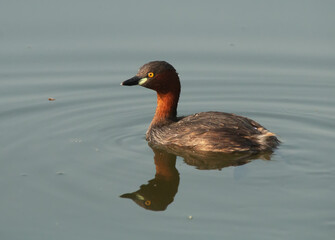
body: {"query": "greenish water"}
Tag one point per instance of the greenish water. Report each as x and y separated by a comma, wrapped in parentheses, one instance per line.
(65, 163)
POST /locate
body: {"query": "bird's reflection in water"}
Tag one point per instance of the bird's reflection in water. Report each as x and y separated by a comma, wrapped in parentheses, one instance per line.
(161, 190)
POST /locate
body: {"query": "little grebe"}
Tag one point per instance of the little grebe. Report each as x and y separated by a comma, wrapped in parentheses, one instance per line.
(205, 131)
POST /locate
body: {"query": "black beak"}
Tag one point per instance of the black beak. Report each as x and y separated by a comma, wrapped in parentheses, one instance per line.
(128, 195)
(132, 81)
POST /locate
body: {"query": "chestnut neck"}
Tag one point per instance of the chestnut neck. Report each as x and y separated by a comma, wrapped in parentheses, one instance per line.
(167, 100)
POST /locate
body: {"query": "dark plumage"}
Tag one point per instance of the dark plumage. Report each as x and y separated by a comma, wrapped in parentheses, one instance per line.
(215, 132)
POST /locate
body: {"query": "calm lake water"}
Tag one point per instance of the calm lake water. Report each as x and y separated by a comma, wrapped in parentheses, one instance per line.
(65, 163)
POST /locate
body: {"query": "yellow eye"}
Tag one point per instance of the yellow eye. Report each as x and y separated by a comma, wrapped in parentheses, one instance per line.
(151, 74)
(148, 202)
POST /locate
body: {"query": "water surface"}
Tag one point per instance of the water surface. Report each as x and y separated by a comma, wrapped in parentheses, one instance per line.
(65, 163)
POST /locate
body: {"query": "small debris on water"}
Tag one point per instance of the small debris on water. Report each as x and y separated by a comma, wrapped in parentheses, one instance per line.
(60, 173)
(76, 140)
(190, 217)
(51, 99)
